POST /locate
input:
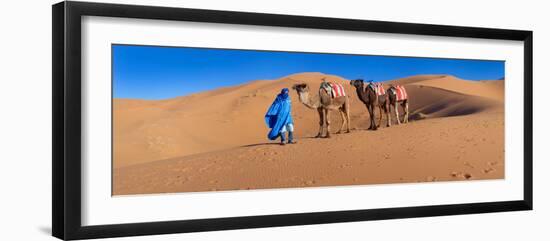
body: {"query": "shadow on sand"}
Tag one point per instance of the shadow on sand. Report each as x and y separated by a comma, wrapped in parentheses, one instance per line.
(262, 144)
(276, 142)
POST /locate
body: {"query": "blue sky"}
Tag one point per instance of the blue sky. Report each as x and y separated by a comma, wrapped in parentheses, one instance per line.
(150, 72)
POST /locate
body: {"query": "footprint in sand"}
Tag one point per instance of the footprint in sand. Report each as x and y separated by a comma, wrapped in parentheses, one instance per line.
(345, 165)
(468, 164)
(461, 175)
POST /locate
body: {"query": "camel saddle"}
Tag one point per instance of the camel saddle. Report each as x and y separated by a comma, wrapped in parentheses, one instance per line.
(377, 87)
(399, 91)
(335, 90)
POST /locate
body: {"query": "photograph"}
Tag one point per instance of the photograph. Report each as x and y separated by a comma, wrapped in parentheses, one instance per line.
(140, 120)
(192, 119)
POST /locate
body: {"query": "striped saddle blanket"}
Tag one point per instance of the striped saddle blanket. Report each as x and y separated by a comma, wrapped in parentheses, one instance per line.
(378, 88)
(337, 90)
(399, 92)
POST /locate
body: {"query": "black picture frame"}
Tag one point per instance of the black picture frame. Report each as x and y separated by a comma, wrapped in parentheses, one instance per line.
(66, 75)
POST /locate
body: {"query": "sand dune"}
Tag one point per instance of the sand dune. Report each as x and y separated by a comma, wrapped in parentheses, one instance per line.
(488, 89)
(215, 120)
(457, 148)
(220, 132)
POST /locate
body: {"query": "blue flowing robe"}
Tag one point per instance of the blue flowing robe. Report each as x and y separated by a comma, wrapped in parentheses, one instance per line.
(278, 115)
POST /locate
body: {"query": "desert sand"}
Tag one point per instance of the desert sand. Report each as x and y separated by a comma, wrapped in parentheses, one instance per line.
(216, 140)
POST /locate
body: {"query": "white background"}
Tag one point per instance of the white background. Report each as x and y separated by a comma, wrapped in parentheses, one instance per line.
(25, 126)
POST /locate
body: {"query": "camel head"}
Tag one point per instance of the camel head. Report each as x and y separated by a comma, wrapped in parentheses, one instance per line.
(301, 88)
(303, 95)
(358, 83)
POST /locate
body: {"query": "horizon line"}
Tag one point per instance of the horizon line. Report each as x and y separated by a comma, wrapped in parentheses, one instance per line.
(298, 73)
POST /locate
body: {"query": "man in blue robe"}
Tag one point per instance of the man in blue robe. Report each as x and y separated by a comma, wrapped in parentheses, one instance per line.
(279, 118)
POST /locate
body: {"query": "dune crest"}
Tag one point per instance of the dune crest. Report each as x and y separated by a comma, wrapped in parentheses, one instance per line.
(493, 89)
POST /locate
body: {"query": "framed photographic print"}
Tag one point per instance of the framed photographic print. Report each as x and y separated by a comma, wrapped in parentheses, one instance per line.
(169, 120)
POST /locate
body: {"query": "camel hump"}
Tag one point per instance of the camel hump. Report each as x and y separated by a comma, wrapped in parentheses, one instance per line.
(337, 90)
(400, 92)
(378, 88)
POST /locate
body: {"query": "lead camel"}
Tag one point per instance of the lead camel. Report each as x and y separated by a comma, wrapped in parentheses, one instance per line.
(324, 103)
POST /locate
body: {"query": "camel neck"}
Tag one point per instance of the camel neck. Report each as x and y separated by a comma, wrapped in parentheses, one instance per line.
(361, 93)
(307, 101)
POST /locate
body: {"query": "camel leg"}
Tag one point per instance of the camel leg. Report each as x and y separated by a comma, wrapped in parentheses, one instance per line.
(321, 122)
(327, 121)
(406, 109)
(343, 120)
(347, 116)
(372, 120)
(380, 118)
(388, 115)
(374, 126)
(397, 114)
(370, 117)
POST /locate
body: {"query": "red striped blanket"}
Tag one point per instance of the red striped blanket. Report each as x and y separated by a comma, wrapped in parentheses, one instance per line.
(378, 88)
(400, 92)
(337, 90)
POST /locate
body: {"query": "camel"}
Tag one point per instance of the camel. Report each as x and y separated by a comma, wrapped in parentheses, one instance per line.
(371, 100)
(324, 103)
(392, 99)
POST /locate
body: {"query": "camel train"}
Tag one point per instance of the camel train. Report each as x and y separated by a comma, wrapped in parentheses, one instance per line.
(332, 97)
